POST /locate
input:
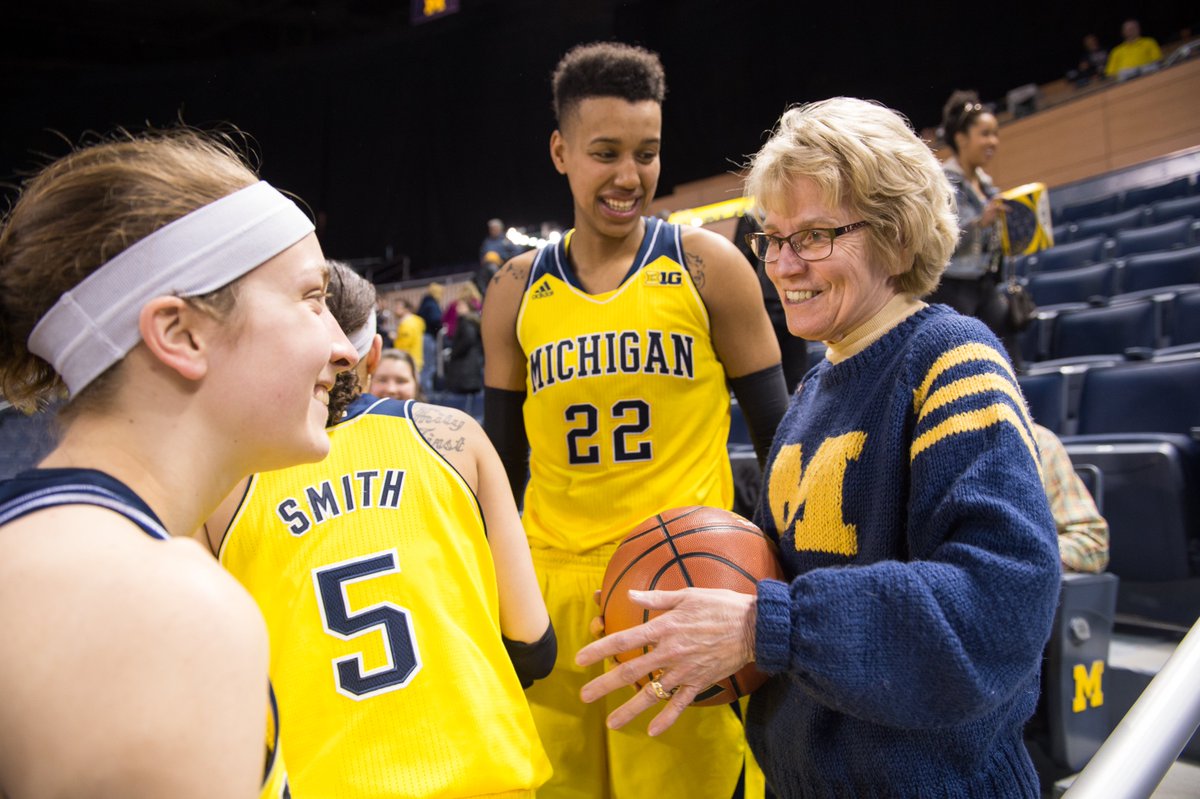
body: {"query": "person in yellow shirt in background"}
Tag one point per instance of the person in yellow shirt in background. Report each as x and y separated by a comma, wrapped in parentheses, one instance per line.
(1135, 51)
(410, 332)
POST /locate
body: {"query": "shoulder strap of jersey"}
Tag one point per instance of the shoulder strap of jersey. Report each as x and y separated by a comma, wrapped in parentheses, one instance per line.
(81, 494)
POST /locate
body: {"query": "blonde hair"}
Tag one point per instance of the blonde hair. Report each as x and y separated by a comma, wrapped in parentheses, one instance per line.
(865, 156)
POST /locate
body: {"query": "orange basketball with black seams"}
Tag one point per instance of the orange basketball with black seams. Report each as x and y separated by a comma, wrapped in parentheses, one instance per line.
(683, 547)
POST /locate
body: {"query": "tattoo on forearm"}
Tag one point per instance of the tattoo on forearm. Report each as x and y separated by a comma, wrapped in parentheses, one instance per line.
(695, 267)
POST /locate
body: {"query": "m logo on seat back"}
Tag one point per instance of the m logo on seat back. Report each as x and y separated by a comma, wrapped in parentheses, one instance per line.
(1088, 688)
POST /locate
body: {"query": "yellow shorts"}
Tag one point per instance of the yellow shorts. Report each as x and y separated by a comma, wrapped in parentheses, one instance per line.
(702, 756)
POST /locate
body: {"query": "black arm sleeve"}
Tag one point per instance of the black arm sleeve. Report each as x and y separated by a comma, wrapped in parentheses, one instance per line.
(533, 661)
(504, 423)
(763, 398)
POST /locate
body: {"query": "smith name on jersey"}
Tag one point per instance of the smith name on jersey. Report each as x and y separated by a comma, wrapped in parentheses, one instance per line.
(329, 499)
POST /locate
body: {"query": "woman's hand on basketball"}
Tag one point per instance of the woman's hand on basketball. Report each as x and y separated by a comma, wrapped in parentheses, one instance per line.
(704, 635)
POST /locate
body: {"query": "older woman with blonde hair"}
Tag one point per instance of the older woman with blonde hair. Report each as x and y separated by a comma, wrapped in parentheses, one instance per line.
(902, 487)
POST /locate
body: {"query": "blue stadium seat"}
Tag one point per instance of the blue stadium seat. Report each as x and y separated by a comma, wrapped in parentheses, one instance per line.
(1063, 233)
(1112, 329)
(1113, 223)
(1046, 395)
(1074, 285)
(1068, 256)
(1019, 264)
(1146, 485)
(1169, 210)
(1185, 318)
(1136, 424)
(1155, 270)
(1143, 397)
(1102, 206)
(1035, 339)
(1180, 187)
(1167, 236)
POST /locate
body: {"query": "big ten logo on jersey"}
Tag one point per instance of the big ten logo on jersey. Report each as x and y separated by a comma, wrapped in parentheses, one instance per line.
(660, 277)
(1088, 688)
(371, 488)
(817, 489)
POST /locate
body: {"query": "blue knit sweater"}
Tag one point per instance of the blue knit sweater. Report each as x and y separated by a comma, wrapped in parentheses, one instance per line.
(903, 490)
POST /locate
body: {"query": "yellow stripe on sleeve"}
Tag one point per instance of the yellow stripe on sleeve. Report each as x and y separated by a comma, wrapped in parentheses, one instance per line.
(974, 384)
(979, 419)
(959, 355)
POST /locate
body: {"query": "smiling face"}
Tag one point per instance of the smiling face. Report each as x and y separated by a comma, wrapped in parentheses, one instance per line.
(825, 300)
(609, 150)
(280, 354)
(394, 378)
(978, 143)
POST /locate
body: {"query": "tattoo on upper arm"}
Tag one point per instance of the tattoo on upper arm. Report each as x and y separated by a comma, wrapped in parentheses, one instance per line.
(511, 270)
(442, 427)
(695, 267)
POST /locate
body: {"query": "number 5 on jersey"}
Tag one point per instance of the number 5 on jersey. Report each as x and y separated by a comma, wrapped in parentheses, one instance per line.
(391, 621)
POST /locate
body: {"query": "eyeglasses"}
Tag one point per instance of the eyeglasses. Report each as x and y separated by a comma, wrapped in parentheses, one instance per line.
(815, 244)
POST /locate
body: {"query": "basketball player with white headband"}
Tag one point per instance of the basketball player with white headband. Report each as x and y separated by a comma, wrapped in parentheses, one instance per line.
(181, 302)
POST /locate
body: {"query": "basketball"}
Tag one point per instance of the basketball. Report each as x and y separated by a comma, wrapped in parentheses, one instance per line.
(680, 548)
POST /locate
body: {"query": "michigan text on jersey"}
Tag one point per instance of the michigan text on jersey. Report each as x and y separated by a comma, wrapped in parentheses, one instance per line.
(610, 353)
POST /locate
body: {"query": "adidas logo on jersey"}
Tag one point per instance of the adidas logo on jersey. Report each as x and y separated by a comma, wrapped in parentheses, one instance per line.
(543, 290)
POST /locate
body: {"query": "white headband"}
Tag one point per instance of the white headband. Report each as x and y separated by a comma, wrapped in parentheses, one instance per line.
(95, 324)
(362, 338)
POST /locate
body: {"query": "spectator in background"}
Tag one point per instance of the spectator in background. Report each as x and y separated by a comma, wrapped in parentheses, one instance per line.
(464, 365)
(410, 332)
(430, 311)
(497, 242)
(474, 302)
(396, 377)
(385, 321)
(486, 271)
(1135, 52)
(1092, 62)
(1082, 531)
(970, 282)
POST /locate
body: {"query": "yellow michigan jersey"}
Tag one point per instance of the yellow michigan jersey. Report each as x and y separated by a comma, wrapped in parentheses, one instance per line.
(275, 779)
(627, 408)
(373, 571)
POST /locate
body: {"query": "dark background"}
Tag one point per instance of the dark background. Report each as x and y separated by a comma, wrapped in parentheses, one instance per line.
(407, 138)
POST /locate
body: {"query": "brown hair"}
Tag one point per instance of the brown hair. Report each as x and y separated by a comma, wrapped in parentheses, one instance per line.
(83, 209)
(351, 302)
